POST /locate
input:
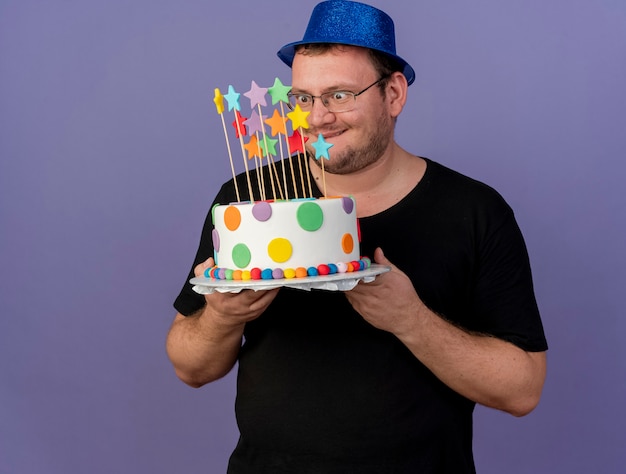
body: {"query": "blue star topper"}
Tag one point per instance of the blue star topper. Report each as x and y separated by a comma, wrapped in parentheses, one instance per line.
(233, 99)
(321, 148)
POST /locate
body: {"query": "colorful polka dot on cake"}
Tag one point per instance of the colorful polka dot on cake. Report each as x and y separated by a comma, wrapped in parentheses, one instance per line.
(310, 216)
(348, 204)
(262, 211)
(232, 218)
(279, 250)
(347, 243)
(241, 255)
(215, 236)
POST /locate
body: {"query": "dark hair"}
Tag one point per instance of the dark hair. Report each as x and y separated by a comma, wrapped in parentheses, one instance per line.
(384, 64)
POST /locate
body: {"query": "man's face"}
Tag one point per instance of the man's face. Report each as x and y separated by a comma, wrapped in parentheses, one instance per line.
(363, 134)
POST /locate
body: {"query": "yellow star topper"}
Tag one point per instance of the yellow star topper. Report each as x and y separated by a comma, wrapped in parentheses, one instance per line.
(219, 101)
(298, 118)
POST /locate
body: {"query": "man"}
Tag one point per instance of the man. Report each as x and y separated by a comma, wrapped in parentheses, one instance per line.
(382, 378)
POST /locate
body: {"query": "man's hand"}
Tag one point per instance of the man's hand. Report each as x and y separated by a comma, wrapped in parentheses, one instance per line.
(204, 347)
(234, 308)
(485, 369)
(389, 302)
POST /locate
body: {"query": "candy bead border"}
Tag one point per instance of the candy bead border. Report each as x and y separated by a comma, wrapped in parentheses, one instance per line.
(219, 273)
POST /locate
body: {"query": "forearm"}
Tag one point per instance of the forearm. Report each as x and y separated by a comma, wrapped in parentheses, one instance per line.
(202, 349)
(487, 370)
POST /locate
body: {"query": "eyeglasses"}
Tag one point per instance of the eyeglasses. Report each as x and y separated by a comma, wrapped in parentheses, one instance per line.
(335, 101)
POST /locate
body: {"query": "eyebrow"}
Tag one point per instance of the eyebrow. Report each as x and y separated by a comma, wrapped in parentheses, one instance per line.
(332, 89)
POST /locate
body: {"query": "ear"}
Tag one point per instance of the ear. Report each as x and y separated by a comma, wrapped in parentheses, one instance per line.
(397, 89)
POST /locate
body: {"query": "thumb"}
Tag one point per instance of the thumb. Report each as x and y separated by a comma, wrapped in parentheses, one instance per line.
(379, 257)
(200, 268)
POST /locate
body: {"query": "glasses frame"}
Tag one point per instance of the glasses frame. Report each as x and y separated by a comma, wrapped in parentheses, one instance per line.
(321, 97)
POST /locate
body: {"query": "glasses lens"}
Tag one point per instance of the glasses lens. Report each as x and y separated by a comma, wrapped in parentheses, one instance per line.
(338, 101)
(292, 101)
(303, 100)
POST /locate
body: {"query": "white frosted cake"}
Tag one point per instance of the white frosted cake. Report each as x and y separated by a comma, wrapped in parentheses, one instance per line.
(286, 239)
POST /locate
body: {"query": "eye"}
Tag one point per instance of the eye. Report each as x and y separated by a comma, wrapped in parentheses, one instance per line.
(340, 96)
(302, 99)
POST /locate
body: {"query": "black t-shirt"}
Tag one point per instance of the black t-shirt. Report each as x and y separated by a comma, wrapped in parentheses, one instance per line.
(319, 390)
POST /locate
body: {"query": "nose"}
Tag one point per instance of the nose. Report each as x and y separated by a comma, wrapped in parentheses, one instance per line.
(319, 114)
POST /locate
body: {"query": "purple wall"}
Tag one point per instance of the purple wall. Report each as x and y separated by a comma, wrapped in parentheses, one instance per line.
(111, 150)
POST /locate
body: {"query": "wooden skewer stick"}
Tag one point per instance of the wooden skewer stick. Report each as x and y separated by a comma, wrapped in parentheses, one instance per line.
(230, 157)
(306, 163)
(243, 154)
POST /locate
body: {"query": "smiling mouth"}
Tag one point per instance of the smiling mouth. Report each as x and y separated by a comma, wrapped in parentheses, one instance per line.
(328, 135)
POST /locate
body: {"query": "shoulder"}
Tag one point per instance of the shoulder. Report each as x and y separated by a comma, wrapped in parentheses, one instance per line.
(453, 188)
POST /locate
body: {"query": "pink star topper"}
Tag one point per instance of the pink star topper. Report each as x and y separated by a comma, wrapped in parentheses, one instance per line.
(255, 122)
(256, 95)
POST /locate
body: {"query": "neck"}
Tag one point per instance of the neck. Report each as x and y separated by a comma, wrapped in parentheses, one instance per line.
(378, 186)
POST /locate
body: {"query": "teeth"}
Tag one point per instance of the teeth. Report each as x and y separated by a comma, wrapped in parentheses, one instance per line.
(330, 135)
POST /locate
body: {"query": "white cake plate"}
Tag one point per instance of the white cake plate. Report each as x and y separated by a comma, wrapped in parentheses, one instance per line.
(335, 282)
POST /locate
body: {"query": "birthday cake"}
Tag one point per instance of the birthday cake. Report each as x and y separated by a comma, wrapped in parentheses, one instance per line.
(288, 234)
(286, 239)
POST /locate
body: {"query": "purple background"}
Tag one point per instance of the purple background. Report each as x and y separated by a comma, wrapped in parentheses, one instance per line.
(111, 151)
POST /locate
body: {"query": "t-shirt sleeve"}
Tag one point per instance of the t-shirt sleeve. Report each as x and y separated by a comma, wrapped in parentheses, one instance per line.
(188, 301)
(505, 303)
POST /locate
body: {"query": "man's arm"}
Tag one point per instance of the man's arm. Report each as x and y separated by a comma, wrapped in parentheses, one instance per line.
(204, 347)
(200, 350)
(487, 370)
